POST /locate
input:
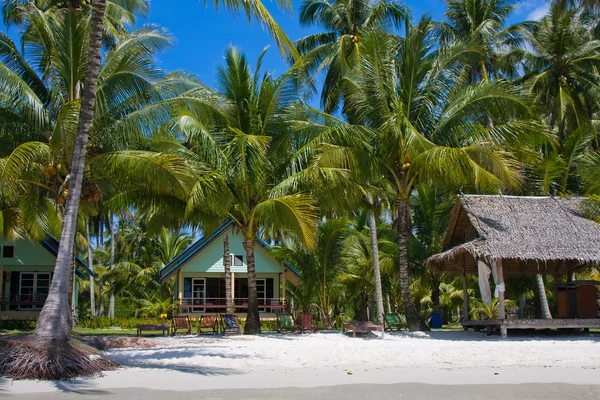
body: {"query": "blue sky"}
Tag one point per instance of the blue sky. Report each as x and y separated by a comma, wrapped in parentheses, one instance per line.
(202, 33)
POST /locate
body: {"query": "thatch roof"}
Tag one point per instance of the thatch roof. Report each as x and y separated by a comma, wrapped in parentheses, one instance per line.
(530, 234)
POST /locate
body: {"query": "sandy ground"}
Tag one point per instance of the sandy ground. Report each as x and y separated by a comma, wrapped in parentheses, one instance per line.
(451, 365)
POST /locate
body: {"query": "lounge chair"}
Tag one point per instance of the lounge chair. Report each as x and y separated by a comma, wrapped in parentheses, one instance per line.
(392, 322)
(230, 323)
(306, 323)
(208, 324)
(285, 322)
(181, 323)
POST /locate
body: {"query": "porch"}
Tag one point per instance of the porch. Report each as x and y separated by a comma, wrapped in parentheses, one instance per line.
(216, 305)
(494, 237)
(205, 293)
(15, 307)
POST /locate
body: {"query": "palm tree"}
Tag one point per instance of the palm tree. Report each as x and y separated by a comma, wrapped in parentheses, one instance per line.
(376, 266)
(368, 262)
(232, 165)
(49, 352)
(481, 23)
(560, 59)
(430, 127)
(48, 108)
(54, 322)
(344, 22)
(321, 267)
(431, 208)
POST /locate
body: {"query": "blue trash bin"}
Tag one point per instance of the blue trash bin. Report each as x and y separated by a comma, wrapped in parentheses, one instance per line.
(436, 320)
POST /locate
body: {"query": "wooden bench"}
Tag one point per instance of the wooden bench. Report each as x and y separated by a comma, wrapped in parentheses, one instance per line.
(152, 327)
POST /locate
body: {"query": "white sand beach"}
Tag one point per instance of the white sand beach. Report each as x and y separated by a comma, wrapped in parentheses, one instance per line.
(272, 361)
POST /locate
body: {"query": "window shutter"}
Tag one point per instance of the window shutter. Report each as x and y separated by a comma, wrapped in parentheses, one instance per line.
(187, 287)
(14, 288)
(269, 288)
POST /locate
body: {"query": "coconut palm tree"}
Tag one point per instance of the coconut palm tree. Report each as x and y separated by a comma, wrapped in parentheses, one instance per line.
(233, 164)
(430, 127)
(482, 23)
(321, 267)
(48, 108)
(560, 61)
(119, 16)
(366, 260)
(431, 208)
(54, 322)
(331, 52)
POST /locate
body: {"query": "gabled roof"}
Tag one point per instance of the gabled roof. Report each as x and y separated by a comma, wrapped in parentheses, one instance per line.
(530, 235)
(51, 244)
(197, 247)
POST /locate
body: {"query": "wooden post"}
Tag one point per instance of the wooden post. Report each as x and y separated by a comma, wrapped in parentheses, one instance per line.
(2, 283)
(465, 297)
(179, 289)
(500, 269)
(233, 288)
(283, 286)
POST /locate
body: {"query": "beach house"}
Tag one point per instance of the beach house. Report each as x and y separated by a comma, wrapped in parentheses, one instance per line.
(493, 237)
(199, 274)
(26, 269)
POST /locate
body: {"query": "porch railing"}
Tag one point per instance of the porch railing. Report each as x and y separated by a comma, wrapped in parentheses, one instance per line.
(217, 304)
(22, 302)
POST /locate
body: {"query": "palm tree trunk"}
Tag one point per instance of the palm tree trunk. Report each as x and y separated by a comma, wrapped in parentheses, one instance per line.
(73, 294)
(376, 267)
(227, 265)
(545, 308)
(54, 321)
(403, 226)
(435, 292)
(91, 265)
(100, 299)
(253, 317)
(111, 301)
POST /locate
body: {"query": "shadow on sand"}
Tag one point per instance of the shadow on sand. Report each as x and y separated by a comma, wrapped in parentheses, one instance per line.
(515, 335)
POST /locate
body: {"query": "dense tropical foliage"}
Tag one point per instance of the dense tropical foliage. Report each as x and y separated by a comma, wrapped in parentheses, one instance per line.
(412, 112)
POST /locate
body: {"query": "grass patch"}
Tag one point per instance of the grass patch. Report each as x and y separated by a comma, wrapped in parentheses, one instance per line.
(103, 332)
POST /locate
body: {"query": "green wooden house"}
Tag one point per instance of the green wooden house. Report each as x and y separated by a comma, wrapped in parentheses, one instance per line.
(199, 274)
(26, 269)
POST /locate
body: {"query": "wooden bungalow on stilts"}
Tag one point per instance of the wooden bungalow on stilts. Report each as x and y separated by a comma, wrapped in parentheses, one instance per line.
(501, 236)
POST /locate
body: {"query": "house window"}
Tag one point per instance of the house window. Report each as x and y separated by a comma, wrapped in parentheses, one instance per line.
(33, 289)
(238, 260)
(230, 260)
(8, 251)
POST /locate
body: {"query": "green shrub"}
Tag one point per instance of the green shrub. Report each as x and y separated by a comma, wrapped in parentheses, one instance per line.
(16, 324)
(124, 323)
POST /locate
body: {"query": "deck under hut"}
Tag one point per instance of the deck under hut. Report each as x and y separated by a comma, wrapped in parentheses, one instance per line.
(517, 236)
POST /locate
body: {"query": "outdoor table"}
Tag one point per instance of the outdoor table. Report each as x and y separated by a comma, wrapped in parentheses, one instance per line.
(152, 327)
(361, 326)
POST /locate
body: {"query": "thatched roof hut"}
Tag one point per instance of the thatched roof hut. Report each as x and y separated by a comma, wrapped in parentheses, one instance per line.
(529, 234)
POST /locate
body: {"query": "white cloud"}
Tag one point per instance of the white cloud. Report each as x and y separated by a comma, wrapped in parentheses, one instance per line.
(539, 12)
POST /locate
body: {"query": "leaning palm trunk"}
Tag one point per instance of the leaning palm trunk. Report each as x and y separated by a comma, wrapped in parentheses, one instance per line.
(252, 318)
(543, 298)
(227, 265)
(48, 353)
(55, 319)
(403, 225)
(91, 265)
(376, 267)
